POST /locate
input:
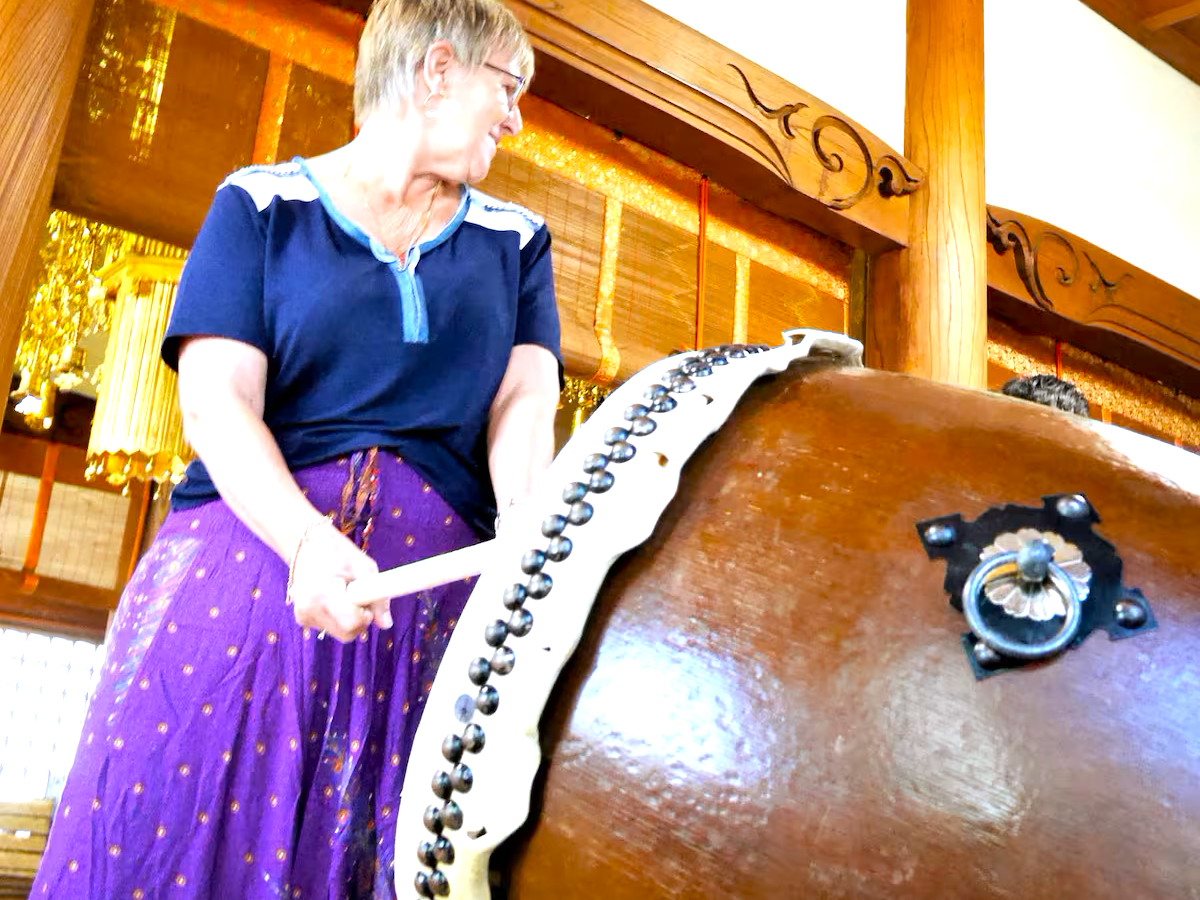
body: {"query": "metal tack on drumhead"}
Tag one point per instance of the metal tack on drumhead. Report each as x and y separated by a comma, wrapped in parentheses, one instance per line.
(421, 883)
(559, 549)
(533, 561)
(473, 737)
(539, 586)
(681, 384)
(614, 434)
(433, 819)
(452, 747)
(642, 425)
(462, 778)
(438, 883)
(441, 785)
(622, 451)
(495, 633)
(444, 850)
(580, 513)
(479, 670)
(520, 622)
(595, 462)
(573, 493)
(503, 660)
(514, 596)
(600, 482)
(553, 525)
(487, 702)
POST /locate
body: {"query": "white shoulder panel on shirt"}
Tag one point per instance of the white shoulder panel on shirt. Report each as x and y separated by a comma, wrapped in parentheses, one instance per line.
(285, 181)
(498, 215)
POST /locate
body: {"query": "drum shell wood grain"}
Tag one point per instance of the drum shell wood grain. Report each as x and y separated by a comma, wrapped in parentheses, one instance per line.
(772, 699)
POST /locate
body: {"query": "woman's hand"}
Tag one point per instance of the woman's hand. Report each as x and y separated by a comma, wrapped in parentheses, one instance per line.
(222, 385)
(325, 561)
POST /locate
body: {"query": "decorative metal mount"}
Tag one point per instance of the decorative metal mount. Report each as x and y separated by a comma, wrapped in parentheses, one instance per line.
(1033, 581)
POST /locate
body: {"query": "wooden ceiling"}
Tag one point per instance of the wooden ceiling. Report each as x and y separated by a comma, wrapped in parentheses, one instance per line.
(1170, 29)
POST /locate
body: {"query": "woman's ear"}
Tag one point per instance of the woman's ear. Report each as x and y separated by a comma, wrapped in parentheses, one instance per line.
(438, 66)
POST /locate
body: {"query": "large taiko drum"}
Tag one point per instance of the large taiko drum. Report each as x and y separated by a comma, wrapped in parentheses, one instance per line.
(777, 694)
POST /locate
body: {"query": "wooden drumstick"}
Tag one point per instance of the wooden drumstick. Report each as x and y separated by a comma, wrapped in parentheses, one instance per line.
(419, 575)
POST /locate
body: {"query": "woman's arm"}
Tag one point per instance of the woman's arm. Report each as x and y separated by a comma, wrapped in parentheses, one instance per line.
(222, 385)
(521, 425)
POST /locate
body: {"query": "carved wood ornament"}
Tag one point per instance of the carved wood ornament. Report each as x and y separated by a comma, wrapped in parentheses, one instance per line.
(641, 73)
(1055, 282)
(894, 180)
(1012, 235)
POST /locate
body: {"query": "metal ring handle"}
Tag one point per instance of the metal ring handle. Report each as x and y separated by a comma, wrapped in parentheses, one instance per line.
(1015, 649)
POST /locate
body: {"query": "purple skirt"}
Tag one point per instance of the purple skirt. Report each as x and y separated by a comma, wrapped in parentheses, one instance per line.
(227, 752)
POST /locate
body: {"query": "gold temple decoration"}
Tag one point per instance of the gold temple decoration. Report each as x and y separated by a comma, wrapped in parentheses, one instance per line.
(66, 307)
(149, 92)
(128, 62)
(137, 431)
(581, 397)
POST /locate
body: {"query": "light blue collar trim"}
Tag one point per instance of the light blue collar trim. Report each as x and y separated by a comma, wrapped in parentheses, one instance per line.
(359, 234)
(344, 222)
(464, 203)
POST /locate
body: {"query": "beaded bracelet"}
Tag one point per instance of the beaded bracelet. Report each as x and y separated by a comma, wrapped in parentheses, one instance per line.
(496, 524)
(296, 554)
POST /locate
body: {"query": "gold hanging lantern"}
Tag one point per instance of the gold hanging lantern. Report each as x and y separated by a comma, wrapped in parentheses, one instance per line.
(63, 309)
(137, 431)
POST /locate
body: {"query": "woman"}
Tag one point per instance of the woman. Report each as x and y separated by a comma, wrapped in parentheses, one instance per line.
(368, 368)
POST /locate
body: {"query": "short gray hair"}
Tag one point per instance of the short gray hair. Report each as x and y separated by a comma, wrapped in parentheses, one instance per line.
(1048, 390)
(399, 32)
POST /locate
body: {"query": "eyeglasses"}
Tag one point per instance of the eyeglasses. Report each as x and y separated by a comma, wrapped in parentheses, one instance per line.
(513, 90)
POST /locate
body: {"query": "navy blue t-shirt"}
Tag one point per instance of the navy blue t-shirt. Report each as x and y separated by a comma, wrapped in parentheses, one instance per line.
(364, 351)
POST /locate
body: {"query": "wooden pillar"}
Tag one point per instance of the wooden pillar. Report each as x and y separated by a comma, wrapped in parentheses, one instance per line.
(41, 48)
(928, 307)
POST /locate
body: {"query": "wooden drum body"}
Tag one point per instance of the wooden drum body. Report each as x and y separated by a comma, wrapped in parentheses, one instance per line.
(772, 696)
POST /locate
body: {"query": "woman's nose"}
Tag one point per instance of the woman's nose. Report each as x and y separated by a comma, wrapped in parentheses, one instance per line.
(512, 122)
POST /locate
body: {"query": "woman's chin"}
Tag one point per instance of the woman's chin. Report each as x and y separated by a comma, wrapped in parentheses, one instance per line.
(479, 168)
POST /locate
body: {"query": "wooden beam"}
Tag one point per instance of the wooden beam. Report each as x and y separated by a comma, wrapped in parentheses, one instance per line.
(1158, 14)
(1170, 45)
(26, 456)
(41, 509)
(318, 37)
(135, 529)
(41, 44)
(933, 322)
(55, 606)
(633, 69)
(270, 115)
(1049, 281)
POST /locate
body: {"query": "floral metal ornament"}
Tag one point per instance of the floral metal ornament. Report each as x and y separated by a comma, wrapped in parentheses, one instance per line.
(1038, 601)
